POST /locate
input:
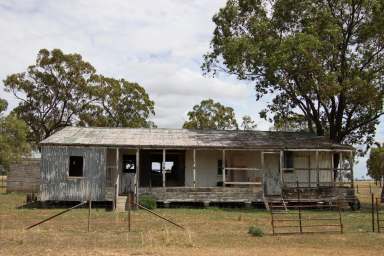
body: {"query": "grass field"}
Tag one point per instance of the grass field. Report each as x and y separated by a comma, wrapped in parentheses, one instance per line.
(210, 231)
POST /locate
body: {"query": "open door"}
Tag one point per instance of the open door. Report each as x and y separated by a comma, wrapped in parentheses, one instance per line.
(127, 175)
(272, 184)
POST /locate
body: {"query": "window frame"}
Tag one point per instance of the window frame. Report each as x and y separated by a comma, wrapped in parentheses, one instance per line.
(289, 159)
(69, 167)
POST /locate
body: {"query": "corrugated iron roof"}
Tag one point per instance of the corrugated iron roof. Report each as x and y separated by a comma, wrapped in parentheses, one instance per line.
(185, 138)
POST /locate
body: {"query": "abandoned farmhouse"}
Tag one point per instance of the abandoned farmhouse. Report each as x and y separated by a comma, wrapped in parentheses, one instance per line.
(191, 166)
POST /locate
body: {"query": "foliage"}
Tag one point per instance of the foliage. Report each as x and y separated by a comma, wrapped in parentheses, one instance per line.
(247, 123)
(62, 89)
(13, 138)
(52, 92)
(323, 60)
(120, 104)
(3, 105)
(148, 201)
(211, 115)
(375, 162)
(291, 123)
(255, 231)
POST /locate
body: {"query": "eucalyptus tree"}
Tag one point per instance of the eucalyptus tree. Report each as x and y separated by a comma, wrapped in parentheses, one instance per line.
(319, 59)
(211, 115)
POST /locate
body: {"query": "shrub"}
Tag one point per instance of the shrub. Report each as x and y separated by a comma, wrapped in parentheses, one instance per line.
(147, 201)
(255, 231)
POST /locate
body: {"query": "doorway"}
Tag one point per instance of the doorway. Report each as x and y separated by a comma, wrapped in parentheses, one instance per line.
(272, 184)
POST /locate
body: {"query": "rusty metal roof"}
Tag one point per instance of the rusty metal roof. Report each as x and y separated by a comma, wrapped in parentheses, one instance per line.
(185, 138)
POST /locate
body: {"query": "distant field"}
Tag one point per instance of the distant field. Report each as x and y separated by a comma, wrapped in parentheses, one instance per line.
(365, 188)
(210, 231)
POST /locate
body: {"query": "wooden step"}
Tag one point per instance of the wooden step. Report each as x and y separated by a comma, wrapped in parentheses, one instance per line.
(109, 193)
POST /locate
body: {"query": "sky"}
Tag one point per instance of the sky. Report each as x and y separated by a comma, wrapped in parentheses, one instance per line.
(158, 44)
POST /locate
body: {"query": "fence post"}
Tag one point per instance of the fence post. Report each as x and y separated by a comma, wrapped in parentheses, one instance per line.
(357, 188)
(299, 206)
(373, 212)
(272, 222)
(340, 218)
(377, 215)
(89, 213)
(129, 212)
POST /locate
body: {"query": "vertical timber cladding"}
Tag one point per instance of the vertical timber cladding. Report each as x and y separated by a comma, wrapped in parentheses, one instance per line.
(57, 185)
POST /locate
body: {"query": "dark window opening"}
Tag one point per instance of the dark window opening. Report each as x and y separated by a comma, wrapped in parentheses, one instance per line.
(75, 166)
(219, 167)
(129, 164)
(288, 159)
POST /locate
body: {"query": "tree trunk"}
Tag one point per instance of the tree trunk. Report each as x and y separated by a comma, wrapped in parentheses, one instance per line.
(336, 160)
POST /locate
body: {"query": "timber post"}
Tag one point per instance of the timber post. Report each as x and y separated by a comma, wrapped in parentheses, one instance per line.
(340, 217)
(194, 168)
(89, 213)
(223, 167)
(163, 168)
(378, 216)
(137, 175)
(282, 167)
(299, 207)
(373, 212)
(129, 211)
(317, 169)
(58, 214)
(117, 177)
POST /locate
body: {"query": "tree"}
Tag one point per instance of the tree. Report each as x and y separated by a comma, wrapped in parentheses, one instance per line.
(375, 162)
(247, 123)
(211, 115)
(120, 104)
(52, 92)
(3, 105)
(62, 89)
(289, 123)
(320, 59)
(13, 137)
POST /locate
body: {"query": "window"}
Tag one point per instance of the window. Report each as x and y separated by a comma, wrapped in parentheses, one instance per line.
(156, 167)
(169, 166)
(129, 164)
(75, 166)
(288, 159)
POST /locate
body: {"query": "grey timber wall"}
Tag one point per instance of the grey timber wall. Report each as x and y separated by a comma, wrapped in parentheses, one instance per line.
(55, 183)
(24, 176)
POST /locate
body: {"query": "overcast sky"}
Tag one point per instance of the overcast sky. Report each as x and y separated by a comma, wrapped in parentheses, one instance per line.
(158, 44)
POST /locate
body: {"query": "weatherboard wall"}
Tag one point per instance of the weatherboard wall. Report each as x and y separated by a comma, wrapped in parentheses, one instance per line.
(57, 185)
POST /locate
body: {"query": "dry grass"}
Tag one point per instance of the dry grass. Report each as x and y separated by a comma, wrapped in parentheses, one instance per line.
(209, 232)
(364, 190)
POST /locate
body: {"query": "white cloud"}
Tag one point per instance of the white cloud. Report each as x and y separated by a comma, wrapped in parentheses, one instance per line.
(158, 44)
